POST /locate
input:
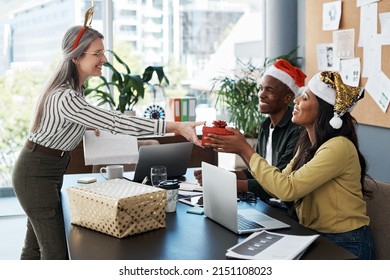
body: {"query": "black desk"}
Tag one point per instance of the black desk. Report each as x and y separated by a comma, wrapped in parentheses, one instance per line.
(185, 237)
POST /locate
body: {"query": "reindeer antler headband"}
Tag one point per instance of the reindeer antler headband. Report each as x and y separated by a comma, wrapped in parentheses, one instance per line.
(87, 24)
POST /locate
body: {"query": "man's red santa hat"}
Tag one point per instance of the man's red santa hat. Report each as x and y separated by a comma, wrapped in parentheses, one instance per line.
(291, 76)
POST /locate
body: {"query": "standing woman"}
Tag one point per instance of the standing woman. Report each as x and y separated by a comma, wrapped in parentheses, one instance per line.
(61, 118)
(325, 178)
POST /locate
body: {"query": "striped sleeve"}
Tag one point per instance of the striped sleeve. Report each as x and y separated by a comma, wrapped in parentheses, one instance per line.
(75, 108)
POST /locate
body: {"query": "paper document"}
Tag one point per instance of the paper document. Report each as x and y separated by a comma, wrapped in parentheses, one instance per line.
(192, 200)
(344, 43)
(331, 14)
(378, 86)
(108, 148)
(190, 186)
(266, 245)
(326, 59)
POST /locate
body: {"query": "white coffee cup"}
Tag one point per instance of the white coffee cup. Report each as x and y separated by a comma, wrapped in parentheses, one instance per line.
(172, 191)
(172, 198)
(112, 171)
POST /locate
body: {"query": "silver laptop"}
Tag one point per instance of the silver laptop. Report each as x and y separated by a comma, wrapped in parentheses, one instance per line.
(174, 156)
(220, 203)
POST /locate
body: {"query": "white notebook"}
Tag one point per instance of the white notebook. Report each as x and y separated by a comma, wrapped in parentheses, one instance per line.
(266, 245)
(108, 148)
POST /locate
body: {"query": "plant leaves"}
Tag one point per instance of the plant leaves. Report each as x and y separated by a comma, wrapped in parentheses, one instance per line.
(148, 74)
(131, 87)
(120, 61)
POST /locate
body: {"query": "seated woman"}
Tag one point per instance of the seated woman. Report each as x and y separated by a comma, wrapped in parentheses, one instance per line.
(325, 177)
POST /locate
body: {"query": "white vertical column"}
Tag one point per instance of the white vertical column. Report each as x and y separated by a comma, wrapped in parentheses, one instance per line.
(108, 30)
(176, 29)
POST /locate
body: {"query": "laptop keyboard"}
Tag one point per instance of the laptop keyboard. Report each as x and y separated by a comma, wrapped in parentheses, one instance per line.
(244, 223)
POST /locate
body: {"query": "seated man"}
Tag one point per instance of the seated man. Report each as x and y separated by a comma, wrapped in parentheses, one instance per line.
(277, 136)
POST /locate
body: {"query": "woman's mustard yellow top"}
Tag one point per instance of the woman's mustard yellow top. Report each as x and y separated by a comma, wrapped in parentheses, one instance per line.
(329, 185)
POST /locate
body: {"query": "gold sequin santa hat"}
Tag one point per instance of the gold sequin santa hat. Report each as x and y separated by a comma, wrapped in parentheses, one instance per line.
(329, 86)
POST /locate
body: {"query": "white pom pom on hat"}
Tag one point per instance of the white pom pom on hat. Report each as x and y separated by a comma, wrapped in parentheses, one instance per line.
(336, 122)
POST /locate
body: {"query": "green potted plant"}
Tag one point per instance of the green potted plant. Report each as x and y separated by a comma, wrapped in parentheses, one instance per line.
(238, 93)
(129, 87)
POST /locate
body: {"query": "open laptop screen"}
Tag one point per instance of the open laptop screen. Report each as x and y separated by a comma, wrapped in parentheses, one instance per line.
(174, 156)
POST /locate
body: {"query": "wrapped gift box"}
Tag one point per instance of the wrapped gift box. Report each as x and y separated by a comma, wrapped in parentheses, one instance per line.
(217, 128)
(117, 207)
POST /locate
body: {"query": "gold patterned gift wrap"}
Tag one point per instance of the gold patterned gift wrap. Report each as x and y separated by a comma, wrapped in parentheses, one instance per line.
(117, 207)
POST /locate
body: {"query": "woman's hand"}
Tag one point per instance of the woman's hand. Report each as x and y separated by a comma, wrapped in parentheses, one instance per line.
(187, 130)
(235, 143)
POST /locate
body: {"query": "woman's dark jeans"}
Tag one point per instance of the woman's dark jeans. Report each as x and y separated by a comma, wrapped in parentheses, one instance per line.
(358, 241)
(37, 181)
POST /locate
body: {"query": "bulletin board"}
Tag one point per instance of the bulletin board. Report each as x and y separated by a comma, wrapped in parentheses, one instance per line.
(366, 111)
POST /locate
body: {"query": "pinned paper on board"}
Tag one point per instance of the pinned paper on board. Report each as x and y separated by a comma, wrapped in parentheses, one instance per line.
(344, 43)
(360, 3)
(350, 71)
(384, 19)
(378, 86)
(331, 14)
(372, 58)
(326, 60)
(368, 23)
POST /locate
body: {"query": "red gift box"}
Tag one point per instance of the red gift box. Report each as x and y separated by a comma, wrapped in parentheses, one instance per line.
(217, 128)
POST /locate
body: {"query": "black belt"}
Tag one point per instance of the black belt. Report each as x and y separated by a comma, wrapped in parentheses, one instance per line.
(39, 148)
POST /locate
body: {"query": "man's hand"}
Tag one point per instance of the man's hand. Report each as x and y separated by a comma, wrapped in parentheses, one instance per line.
(198, 176)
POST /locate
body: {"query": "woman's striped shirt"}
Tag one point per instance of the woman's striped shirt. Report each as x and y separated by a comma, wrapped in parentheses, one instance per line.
(67, 115)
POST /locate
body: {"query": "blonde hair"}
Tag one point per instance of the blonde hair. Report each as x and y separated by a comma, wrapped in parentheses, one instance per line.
(66, 71)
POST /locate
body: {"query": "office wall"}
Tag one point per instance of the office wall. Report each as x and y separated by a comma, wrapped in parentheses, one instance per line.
(374, 145)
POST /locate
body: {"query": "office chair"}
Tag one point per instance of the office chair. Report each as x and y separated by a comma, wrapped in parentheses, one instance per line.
(129, 167)
(378, 209)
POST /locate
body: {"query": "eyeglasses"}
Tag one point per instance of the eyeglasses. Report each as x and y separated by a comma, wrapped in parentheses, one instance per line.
(246, 196)
(98, 54)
